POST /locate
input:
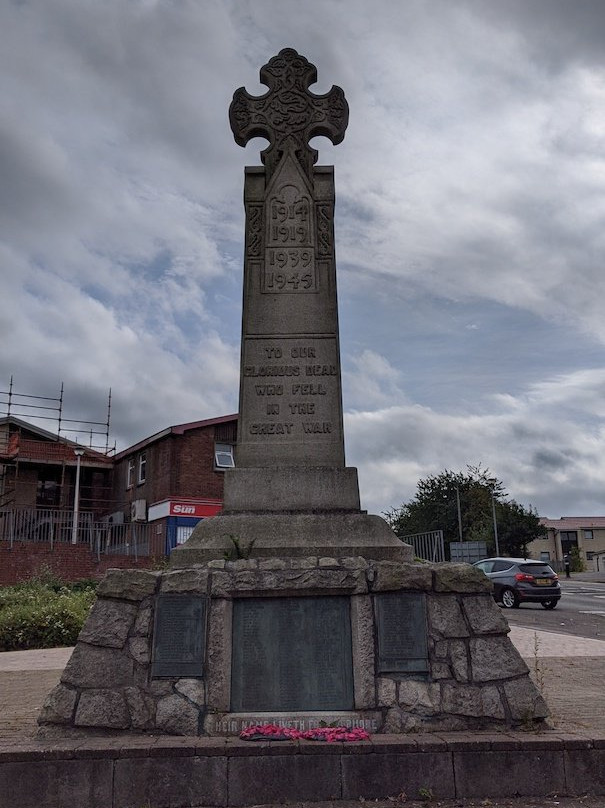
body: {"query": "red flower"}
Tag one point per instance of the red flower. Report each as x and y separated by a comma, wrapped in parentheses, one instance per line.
(328, 734)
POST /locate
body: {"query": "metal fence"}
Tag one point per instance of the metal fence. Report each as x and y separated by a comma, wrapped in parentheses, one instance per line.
(428, 546)
(468, 551)
(56, 527)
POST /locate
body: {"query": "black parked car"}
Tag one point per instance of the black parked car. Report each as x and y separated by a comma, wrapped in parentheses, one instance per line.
(521, 580)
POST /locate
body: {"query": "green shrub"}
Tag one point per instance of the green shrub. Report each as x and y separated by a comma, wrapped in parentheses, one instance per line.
(82, 585)
(577, 564)
(42, 615)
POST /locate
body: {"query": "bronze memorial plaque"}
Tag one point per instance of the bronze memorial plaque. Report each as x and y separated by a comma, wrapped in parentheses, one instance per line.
(402, 632)
(179, 636)
(292, 653)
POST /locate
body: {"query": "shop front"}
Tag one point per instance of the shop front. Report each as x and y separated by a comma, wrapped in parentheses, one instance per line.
(176, 518)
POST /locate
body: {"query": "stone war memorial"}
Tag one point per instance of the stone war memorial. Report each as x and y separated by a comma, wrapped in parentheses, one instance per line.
(294, 606)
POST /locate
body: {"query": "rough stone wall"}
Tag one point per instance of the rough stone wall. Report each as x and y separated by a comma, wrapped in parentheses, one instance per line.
(476, 677)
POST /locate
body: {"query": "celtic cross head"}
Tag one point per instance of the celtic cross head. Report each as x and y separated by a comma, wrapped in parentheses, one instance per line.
(288, 113)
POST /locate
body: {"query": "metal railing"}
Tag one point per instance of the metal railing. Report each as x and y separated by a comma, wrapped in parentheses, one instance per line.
(428, 546)
(56, 527)
(468, 551)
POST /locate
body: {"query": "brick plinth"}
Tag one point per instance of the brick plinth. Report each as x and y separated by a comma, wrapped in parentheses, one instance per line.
(25, 560)
(175, 772)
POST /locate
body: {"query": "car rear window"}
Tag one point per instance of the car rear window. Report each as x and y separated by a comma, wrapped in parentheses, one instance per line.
(536, 569)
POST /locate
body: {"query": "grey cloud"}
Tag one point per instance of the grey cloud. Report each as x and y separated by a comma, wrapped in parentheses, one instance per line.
(556, 31)
(545, 458)
(551, 459)
(469, 190)
(35, 192)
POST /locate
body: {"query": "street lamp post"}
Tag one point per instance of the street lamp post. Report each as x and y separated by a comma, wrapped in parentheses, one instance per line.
(74, 527)
(459, 514)
(495, 524)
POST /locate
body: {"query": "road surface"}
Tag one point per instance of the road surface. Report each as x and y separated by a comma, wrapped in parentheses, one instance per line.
(581, 611)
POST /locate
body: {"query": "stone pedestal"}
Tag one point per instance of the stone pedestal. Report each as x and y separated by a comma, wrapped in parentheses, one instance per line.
(264, 535)
(463, 674)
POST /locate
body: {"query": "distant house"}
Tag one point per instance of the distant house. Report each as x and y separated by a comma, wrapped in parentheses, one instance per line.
(587, 533)
(175, 477)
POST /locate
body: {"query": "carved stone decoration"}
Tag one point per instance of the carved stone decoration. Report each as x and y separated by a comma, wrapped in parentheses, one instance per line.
(288, 111)
(325, 235)
(254, 230)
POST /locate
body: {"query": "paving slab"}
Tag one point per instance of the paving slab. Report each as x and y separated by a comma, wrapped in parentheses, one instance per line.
(40, 659)
(530, 643)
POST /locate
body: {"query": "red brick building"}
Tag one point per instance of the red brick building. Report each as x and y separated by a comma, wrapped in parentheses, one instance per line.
(133, 507)
(175, 477)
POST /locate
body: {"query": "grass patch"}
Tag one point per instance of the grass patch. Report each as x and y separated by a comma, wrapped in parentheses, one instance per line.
(43, 612)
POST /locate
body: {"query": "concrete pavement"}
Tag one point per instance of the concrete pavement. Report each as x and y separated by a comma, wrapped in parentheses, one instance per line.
(590, 577)
(43, 659)
(531, 643)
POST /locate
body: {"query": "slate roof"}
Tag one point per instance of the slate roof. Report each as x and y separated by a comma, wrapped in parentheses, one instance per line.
(178, 429)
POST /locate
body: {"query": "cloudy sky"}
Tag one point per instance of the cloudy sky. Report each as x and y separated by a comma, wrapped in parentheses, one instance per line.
(470, 223)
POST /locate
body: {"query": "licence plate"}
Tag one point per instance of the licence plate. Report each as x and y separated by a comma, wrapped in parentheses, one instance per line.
(543, 581)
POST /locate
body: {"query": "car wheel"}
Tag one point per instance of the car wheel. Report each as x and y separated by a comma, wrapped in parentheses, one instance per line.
(510, 599)
(550, 604)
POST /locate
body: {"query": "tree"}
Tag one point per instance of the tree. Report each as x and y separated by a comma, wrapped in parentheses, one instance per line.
(461, 504)
(517, 527)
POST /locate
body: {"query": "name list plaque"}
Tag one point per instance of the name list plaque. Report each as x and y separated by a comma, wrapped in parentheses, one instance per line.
(179, 636)
(402, 632)
(292, 653)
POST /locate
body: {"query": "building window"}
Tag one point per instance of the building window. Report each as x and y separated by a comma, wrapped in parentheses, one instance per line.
(48, 494)
(589, 556)
(223, 456)
(569, 539)
(588, 534)
(544, 555)
(130, 474)
(182, 533)
(142, 467)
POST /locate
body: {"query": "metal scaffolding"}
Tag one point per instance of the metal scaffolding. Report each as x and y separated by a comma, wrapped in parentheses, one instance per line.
(50, 408)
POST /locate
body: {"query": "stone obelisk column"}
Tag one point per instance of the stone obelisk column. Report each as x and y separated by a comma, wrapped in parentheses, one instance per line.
(290, 493)
(290, 445)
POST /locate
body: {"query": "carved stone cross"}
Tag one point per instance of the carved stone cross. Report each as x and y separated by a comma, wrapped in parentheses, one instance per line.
(288, 114)
(291, 492)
